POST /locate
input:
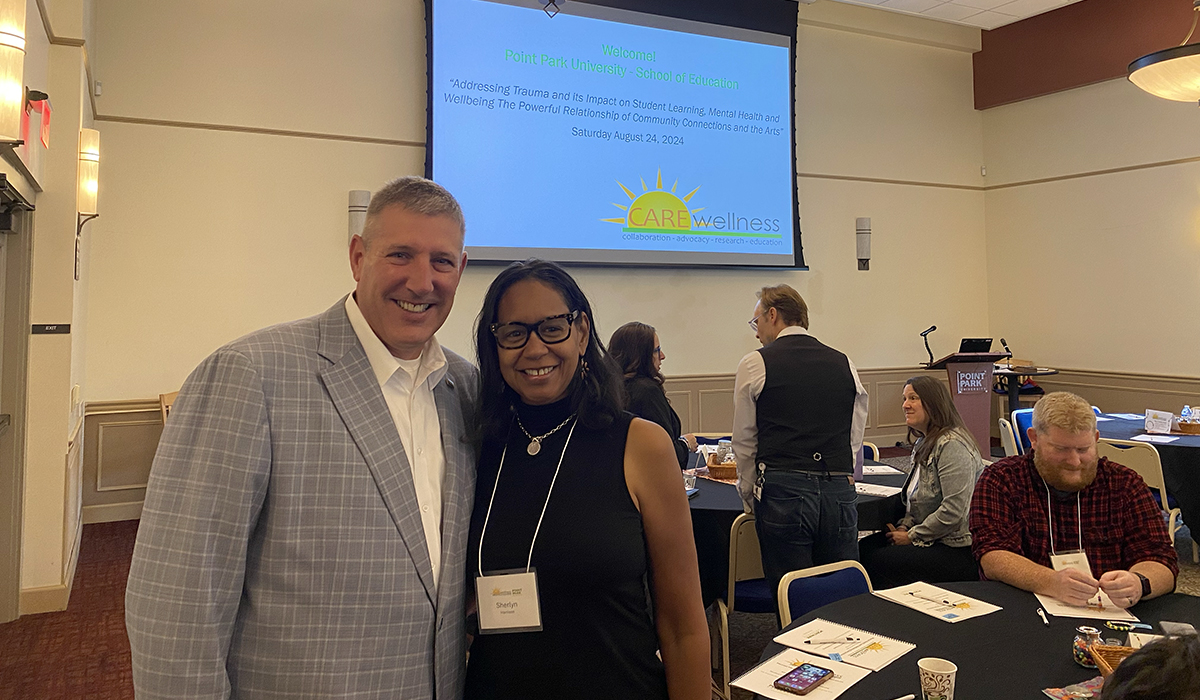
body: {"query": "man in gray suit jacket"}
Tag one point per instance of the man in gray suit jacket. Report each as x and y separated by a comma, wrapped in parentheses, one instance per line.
(305, 525)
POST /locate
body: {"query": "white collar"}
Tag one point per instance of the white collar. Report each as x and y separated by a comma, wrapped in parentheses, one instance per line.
(383, 363)
(792, 330)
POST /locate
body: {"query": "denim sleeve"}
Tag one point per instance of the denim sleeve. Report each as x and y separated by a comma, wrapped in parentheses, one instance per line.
(957, 467)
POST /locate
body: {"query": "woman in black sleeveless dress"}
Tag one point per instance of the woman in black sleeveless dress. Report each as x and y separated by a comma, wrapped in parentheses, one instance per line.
(587, 498)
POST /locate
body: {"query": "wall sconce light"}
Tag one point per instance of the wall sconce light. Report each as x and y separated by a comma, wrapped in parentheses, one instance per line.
(12, 69)
(359, 201)
(862, 241)
(89, 184)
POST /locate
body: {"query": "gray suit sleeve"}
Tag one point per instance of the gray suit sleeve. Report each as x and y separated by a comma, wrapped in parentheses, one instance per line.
(206, 489)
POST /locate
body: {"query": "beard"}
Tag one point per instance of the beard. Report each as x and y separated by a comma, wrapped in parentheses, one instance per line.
(1063, 477)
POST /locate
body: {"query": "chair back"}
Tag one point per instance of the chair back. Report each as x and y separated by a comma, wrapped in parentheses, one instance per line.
(803, 591)
(745, 559)
(1022, 421)
(870, 451)
(1097, 411)
(164, 404)
(1142, 458)
(1008, 439)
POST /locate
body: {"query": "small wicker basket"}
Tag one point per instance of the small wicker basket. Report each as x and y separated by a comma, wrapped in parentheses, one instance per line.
(721, 470)
(1189, 428)
(1107, 658)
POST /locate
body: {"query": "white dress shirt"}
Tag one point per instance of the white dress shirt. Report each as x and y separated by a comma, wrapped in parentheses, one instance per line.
(407, 387)
(751, 376)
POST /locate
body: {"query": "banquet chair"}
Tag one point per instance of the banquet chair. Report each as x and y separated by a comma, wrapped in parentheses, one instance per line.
(1022, 421)
(748, 591)
(1144, 459)
(1008, 439)
(164, 404)
(801, 592)
(870, 451)
(1096, 410)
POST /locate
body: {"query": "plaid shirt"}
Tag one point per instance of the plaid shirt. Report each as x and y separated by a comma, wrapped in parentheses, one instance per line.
(1121, 524)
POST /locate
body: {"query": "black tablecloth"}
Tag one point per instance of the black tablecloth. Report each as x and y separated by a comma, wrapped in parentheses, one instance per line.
(716, 506)
(1008, 655)
(1180, 463)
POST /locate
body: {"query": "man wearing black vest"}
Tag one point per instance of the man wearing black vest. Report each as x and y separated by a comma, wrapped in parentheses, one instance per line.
(798, 420)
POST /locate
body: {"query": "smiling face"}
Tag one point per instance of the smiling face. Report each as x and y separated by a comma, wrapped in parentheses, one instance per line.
(407, 275)
(539, 373)
(915, 416)
(1066, 460)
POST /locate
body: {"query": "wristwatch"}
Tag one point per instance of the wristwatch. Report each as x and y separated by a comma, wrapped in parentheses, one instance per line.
(1145, 584)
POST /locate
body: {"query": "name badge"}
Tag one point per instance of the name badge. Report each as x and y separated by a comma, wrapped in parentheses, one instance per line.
(508, 602)
(1071, 560)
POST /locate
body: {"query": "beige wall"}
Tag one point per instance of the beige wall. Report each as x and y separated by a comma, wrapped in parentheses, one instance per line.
(57, 63)
(1096, 271)
(208, 234)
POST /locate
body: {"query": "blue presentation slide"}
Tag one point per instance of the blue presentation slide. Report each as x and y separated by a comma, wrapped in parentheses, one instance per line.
(586, 134)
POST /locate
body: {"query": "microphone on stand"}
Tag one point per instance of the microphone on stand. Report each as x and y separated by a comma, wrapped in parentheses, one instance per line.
(925, 334)
(1007, 351)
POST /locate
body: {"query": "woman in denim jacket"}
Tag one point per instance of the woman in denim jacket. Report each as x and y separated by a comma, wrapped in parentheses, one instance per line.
(931, 542)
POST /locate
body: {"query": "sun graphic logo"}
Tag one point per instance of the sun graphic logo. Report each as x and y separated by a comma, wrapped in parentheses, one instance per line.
(656, 210)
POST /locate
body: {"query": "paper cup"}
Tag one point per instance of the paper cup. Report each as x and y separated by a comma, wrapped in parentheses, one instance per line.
(937, 678)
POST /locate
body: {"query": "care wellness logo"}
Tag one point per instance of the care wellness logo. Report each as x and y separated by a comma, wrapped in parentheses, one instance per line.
(661, 215)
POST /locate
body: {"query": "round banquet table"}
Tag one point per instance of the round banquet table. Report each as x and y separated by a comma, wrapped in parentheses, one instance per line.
(1180, 463)
(1007, 655)
(717, 505)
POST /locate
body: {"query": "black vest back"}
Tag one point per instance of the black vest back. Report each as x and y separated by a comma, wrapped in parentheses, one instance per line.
(806, 407)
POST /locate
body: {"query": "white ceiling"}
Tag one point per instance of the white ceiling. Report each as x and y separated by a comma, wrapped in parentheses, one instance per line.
(985, 14)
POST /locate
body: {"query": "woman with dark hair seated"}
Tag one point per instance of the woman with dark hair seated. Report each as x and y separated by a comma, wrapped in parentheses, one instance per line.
(638, 352)
(931, 542)
(581, 540)
(1166, 669)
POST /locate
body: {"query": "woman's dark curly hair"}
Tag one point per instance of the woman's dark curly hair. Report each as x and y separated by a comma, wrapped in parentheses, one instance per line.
(597, 397)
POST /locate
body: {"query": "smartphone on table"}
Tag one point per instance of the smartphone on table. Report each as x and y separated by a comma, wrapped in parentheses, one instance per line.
(802, 679)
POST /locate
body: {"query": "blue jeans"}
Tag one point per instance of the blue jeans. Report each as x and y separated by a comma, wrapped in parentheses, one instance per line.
(805, 519)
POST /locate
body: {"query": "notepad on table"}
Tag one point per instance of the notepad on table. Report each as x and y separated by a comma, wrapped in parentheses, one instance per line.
(937, 602)
(1103, 609)
(875, 490)
(761, 678)
(847, 644)
(879, 470)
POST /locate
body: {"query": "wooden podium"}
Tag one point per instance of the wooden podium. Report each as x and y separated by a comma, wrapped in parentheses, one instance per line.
(970, 376)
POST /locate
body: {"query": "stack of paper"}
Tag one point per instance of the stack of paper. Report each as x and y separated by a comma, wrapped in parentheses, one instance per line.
(879, 470)
(937, 602)
(761, 678)
(848, 644)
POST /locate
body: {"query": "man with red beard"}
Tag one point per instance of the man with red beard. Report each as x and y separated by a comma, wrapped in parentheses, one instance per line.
(1033, 511)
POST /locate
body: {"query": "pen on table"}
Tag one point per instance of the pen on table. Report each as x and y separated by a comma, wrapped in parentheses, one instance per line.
(932, 600)
(1042, 614)
(834, 640)
(910, 696)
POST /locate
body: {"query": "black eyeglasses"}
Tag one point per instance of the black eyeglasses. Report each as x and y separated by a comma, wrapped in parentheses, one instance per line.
(552, 330)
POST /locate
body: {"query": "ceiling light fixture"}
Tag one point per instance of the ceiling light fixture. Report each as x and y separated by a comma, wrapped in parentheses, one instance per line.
(1174, 73)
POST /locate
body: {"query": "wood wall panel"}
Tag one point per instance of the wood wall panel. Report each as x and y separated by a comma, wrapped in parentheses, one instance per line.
(704, 404)
(1078, 44)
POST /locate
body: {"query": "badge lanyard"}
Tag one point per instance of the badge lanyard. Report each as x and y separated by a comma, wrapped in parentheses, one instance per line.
(483, 532)
(1050, 519)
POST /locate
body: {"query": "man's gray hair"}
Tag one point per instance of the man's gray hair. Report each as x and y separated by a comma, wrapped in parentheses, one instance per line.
(417, 195)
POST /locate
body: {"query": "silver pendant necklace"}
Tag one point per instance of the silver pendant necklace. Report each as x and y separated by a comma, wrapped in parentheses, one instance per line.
(535, 443)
